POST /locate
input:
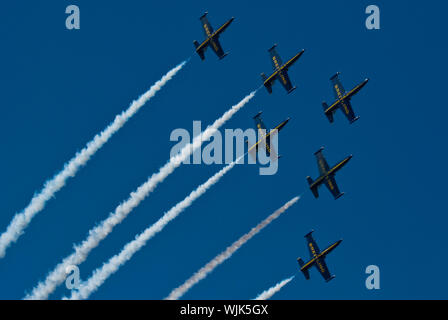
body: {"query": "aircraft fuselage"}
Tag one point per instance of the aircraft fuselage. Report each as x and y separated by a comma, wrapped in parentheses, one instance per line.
(347, 96)
(330, 172)
(320, 255)
(211, 36)
(279, 68)
(276, 129)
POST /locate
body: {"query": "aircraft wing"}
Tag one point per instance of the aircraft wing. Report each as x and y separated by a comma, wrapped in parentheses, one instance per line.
(321, 162)
(346, 107)
(216, 46)
(265, 144)
(275, 58)
(270, 149)
(265, 137)
(330, 182)
(323, 269)
(312, 245)
(285, 81)
(224, 27)
(293, 60)
(208, 29)
(338, 89)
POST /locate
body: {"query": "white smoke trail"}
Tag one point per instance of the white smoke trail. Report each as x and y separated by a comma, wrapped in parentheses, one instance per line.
(267, 294)
(226, 254)
(97, 234)
(22, 219)
(101, 274)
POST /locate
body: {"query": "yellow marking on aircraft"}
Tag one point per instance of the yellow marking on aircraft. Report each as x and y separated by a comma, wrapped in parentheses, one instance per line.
(321, 267)
(341, 99)
(312, 249)
(336, 166)
(338, 91)
(207, 30)
(281, 67)
(222, 27)
(265, 136)
(289, 61)
(283, 78)
(330, 184)
(203, 44)
(271, 77)
(275, 62)
(329, 248)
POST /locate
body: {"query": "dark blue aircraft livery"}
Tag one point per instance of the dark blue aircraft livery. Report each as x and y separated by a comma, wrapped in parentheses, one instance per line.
(327, 175)
(212, 38)
(317, 258)
(265, 140)
(342, 99)
(280, 71)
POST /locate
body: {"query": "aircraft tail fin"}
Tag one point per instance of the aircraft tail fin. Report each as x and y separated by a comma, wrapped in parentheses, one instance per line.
(328, 114)
(304, 271)
(200, 51)
(313, 189)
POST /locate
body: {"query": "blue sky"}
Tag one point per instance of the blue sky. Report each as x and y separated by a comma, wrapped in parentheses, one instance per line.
(60, 87)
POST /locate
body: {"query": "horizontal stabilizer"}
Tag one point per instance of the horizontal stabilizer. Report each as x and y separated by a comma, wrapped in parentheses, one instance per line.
(200, 51)
(329, 114)
(313, 189)
(315, 192)
(304, 271)
(269, 88)
(264, 77)
(258, 114)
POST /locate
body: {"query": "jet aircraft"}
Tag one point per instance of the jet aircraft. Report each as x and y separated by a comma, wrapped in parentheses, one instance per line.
(342, 99)
(212, 38)
(317, 258)
(327, 175)
(280, 71)
(265, 140)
